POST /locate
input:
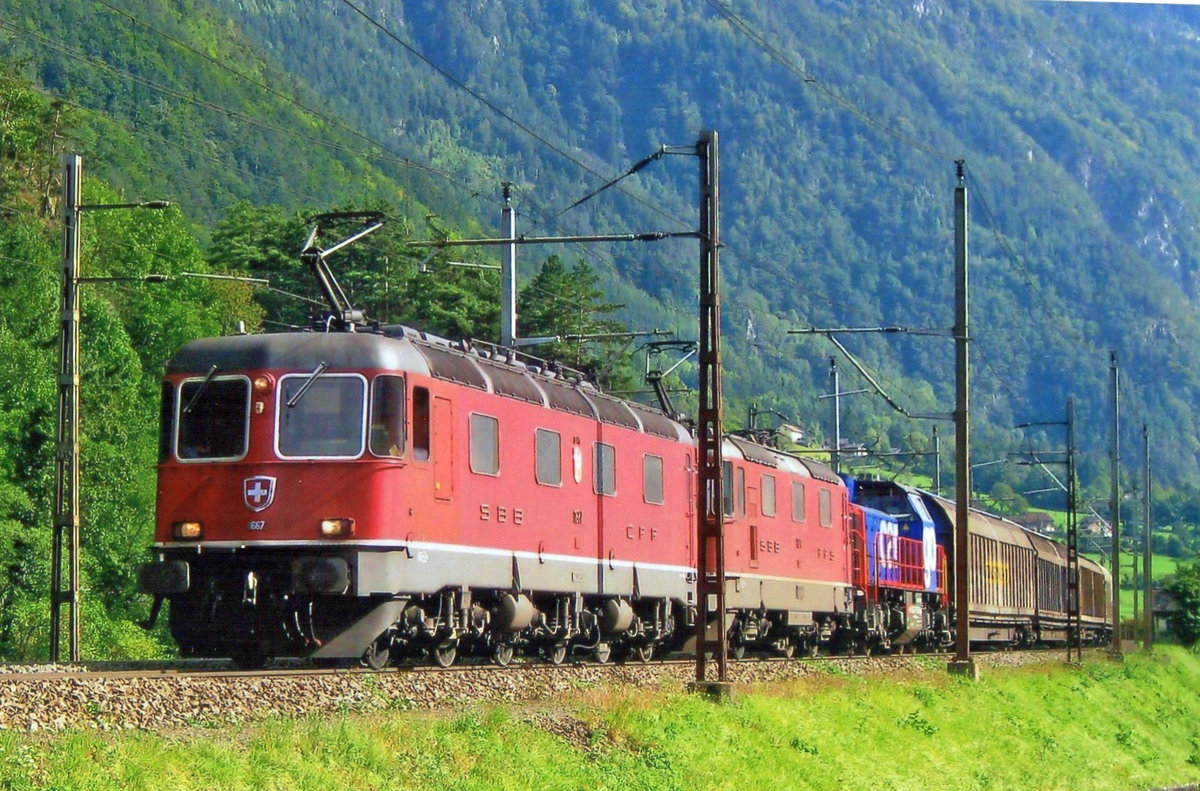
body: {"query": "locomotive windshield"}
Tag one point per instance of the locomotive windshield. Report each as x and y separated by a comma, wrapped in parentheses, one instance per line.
(213, 418)
(330, 419)
(891, 503)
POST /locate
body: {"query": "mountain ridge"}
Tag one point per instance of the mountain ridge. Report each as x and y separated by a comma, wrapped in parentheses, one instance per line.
(1072, 120)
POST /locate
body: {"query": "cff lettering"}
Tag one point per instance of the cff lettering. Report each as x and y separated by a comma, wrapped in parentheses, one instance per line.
(640, 533)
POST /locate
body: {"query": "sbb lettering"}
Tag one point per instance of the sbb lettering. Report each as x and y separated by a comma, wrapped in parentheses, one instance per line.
(501, 514)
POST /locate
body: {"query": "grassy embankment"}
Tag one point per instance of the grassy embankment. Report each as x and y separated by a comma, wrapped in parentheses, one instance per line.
(1105, 726)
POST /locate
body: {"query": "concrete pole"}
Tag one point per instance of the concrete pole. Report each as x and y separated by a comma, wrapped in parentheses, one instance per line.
(1115, 503)
(1147, 550)
(508, 274)
(1074, 622)
(937, 461)
(835, 457)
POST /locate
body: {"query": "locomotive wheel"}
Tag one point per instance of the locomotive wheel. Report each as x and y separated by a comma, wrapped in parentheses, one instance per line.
(603, 653)
(445, 653)
(738, 651)
(644, 652)
(812, 648)
(786, 647)
(379, 653)
(502, 654)
(557, 653)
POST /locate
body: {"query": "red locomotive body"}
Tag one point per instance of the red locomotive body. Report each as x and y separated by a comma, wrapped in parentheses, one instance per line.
(788, 549)
(358, 494)
(381, 494)
(370, 492)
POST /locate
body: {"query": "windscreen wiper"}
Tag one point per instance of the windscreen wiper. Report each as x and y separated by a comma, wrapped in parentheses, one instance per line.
(320, 369)
(187, 410)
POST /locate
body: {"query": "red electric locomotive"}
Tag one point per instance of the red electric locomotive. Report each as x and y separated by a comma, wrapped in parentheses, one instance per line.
(374, 493)
(377, 492)
(368, 494)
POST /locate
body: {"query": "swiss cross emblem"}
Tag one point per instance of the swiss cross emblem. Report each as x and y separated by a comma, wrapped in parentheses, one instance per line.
(258, 492)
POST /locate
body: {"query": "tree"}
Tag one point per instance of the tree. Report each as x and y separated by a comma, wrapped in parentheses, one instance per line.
(569, 305)
(390, 282)
(128, 330)
(265, 241)
(1184, 623)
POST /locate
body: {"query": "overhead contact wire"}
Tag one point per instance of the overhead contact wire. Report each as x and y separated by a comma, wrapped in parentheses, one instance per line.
(507, 116)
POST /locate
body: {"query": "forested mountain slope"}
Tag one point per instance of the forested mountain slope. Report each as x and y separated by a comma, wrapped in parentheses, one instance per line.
(839, 124)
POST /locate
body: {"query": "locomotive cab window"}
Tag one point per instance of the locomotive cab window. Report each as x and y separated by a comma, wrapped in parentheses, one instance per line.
(387, 416)
(213, 419)
(605, 459)
(826, 505)
(652, 479)
(321, 416)
(548, 448)
(485, 444)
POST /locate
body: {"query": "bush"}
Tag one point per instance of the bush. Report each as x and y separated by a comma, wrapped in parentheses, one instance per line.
(1184, 623)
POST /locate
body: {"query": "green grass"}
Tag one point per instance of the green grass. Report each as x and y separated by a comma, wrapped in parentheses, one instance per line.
(1104, 726)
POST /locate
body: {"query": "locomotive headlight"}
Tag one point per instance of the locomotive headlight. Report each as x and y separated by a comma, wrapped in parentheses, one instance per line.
(263, 384)
(338, 526)
(187, 531)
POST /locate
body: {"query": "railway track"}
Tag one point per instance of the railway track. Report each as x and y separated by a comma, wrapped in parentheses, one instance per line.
(163, 696)
(102, 670)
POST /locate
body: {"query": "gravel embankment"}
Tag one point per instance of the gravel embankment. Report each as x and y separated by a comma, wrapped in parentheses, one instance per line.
(31, 701)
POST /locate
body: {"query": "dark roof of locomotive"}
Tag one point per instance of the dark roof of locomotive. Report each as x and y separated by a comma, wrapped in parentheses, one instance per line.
(753, 451)
(405, 349)
(301, 351)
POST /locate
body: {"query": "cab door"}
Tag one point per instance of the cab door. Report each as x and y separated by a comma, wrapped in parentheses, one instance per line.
(443, 448)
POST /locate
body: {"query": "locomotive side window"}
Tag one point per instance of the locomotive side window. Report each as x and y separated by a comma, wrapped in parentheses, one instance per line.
(826, 505)
(605, 482)
(387, 416)
(166, 421)
(549, 457)
(768, 495)
(797, 501)
(485, 444)
(652, 479)
(739, 490)
(420, 423)
(214, 419)
(727, 488)
(326, 420)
